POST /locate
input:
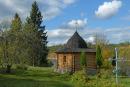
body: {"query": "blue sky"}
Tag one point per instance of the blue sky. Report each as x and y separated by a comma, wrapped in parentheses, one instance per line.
(108, 17)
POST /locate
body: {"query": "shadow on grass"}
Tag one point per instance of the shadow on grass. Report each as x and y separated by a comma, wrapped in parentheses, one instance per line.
(16, 82)
(44, 77)
(39, 75)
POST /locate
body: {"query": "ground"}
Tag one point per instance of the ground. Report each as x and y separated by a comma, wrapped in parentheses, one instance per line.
(41, 77)
(34, 77)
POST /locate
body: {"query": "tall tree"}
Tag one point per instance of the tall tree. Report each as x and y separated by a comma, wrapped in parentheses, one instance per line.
(16, 24)
(16, 34)
(83, 59)
(83, 62)
(6, 50)
(35, 16)
(99, 58)
(40, 42)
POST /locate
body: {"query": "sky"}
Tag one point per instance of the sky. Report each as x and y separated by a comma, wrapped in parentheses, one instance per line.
(63, 17)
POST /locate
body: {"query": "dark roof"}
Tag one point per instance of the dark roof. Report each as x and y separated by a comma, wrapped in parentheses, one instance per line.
(63, 50)
(76, 41)
(75, 44)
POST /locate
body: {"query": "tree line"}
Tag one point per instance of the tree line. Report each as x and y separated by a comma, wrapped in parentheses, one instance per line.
(24, 43)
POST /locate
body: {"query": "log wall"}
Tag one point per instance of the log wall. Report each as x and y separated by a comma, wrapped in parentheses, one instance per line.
(73, 61)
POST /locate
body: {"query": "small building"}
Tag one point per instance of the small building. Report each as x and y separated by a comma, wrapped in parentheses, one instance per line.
(68, 57)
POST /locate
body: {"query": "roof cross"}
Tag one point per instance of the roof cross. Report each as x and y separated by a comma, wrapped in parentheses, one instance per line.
(76, 25)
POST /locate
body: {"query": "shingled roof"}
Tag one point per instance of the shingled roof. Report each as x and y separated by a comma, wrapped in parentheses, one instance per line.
(76, 41)
(75, 44)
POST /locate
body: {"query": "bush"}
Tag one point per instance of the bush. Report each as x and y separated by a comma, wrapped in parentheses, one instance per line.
(21, 66)
(65, 76)
(79, 78)
(105, 79)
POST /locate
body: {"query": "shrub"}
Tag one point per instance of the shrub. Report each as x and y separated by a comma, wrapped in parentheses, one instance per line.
(106, 79)
(65, 76)
(79, 78)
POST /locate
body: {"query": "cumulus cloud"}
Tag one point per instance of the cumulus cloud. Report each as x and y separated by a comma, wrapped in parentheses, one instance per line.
(114, 35)
(49, 8)
(90, 39)
(68, 1)
(108, 9)
(59, 35)
(79, 23)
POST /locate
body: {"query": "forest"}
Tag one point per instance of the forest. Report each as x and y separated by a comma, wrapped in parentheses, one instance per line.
(24, 43)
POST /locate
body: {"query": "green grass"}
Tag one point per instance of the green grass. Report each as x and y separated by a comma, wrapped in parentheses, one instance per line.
(45, 77)
(125, 81)
(34, 77)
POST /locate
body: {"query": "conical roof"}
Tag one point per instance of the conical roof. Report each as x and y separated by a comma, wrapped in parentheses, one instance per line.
(76, 41)
(75, 44)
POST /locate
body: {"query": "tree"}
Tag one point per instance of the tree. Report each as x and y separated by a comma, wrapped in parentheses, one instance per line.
(17, 36)
(10, 43)
(16, 24)
(40, 41)
(31, 43)
(99, 58)
(35, 16)
(83, 62)
(7, 59)
(83, 59)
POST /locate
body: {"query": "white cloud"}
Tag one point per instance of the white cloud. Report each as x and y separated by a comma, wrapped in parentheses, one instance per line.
(127, 18)
(90, 39)
(5, 23)
(108, 9)
(114, 35)
(68, 1)
(79, 23)
(59, 35)
(49, 8)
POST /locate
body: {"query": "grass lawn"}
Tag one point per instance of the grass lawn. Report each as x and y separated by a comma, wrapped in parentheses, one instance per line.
(125, 81)
(34, 77)
(42, 77)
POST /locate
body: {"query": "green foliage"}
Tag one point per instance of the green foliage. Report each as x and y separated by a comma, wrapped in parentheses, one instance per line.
(35, 15)
(24, 43)
(106, 79)
(80, 78)
(99, 58)
(45, 77)
(16, 24)
(107, 64)
(83, 62)
(39, 40)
